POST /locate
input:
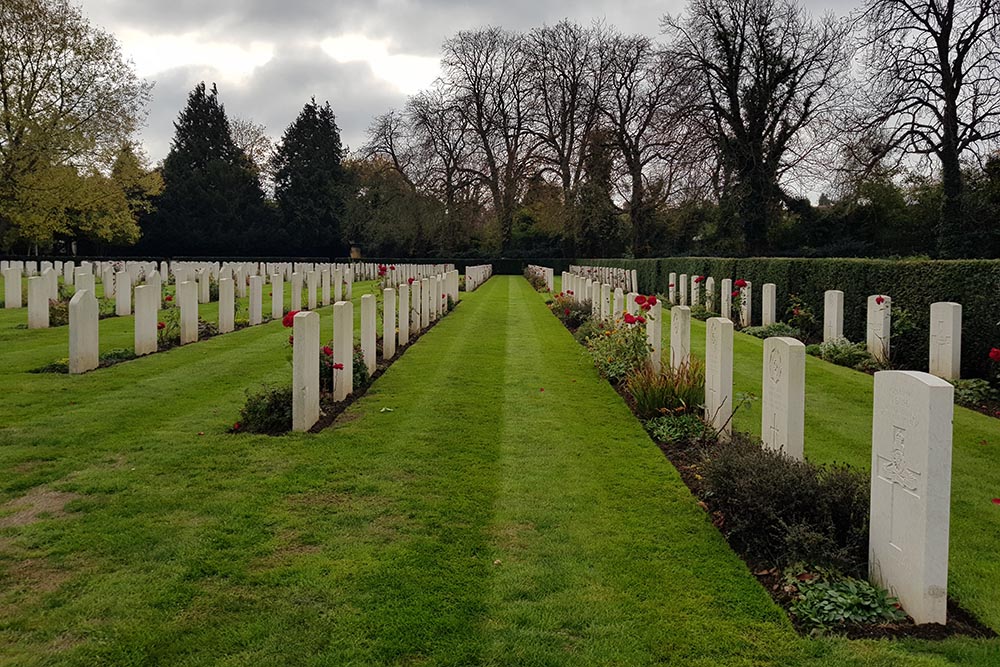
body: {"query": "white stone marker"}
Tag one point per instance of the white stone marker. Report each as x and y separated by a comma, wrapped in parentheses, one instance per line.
(240, 282)
(187, 301)
(630, 306)
(415, 301)
(726, 299)
(833, 315)
(683, 278)
(746, 306)
(12, 288)
(768, 304)
(312, 285)
(619, 304)
(879, 326)
(605, 301)
(108, 280)
(710, 294)
(277, 296)
(911, 491)
(204, 287)
(719, 374)
(84, 280)
(672, 289)
(324, 279)
(69, 273)
(404, 314)
(305, 371)
(147, 306)
(343, 349)
(680, 336)
(349, 284)
(654, 335)
(123, 294)
(256, 300)
(338, 285)
(38, 303)
(783, 404)
(296, 301)
(389, 323)
(227, 305)
(368, 331)
(946, 340)
(83, 332)
(696, 290)
(425, 303)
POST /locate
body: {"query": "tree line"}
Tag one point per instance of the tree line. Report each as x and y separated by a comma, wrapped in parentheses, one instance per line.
(565, 140)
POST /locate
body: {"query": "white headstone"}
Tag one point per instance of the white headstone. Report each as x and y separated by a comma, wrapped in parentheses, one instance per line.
(305, 371)
(84, 280)
(38, 303)
(123, 294)
(12, 288)
(296, 303)
(415, 301)
(619, 304)
(833, 315)
(680, 336)
(187, 301)
(256, 300)
(672, 289)
(726, 299)
(227, 305)
(368, 331)
(654, 335)
(768, 305)
(879, 327)
(746, 305)
(946, 340)
(83, 332)
(147, 308)
(204, 286)
(343, 349)
(696, 290)
(683, 285)
(277, 296)
(710, 294)
(911, 491)
(425, 303)
(719, 374)
(312, 287)
(784, 390)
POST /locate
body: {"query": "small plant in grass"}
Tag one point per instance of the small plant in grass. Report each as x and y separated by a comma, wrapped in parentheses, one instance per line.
(700, 312)
(801, 317)
(568, 310)
(619, 351)
(169, 335)
(771, 330)
(267, 411)
(842, 352)
(975, 393)
(826, 603)
(667, 391)
(537, 280)
(58, 313)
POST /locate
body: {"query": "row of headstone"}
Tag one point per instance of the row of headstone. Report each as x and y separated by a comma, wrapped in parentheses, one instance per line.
(477, 275)
(414, 304)
(545, 273)
(626, 279)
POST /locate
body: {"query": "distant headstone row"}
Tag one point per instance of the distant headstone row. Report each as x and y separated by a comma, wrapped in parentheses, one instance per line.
(477, 275)
(626, 279)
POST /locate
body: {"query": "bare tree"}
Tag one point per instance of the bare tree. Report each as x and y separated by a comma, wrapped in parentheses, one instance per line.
(934, 75)
(568, 68)
(485, 74)
(390, 136)
(769, 76)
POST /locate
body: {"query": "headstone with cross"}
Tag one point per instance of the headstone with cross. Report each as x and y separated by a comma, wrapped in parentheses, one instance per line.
(946, 340)
(680, 336)
(911, 491)
(719, 374)
(783, 396)
(768, 304)
(879, 325)
(833, 315)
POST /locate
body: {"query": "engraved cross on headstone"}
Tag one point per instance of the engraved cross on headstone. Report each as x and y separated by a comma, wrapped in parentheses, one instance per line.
(775, 432)
(897, 473)
(941, 336)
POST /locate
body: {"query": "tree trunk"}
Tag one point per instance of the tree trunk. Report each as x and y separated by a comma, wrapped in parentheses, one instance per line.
(952, 241)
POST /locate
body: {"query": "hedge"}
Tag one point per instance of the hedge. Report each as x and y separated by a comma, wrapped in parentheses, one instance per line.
(913, 285)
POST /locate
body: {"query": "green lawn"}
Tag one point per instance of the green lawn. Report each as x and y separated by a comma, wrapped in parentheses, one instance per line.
(456, 515)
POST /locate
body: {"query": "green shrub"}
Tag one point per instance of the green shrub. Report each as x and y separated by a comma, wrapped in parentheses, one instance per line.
(975, 393)
(536, 280)
(824, 605)
(117, 355)
(587, 328)
(58, 313)
(106, 308)
(669, 391)
(679, 428)
(699, 312)
(326, 368)
(800, 316)
(571, 313)
(844, 353)
(619, 352)
(771, 330)
(778, 510)
(267, 411)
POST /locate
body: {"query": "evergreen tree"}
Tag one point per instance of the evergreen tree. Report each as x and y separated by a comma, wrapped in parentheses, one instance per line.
(212, 201)
(599, 231)
(311, 185)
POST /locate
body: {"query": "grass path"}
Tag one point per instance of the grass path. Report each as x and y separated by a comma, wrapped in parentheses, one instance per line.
(456, 515)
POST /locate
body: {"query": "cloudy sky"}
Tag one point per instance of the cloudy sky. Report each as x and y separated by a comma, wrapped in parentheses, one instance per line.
(364, 56)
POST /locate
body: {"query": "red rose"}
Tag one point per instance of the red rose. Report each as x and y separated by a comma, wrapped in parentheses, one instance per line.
(670, 285)
(651, 300)
(161, 325)
(392, 268)
(338, 367)
(288, 320)
(236, 426)
(629, 318)
(996, 501)
(640, 319)
(567, 312)
(570, 292)
(442, 296)
(409, 281)
(169, 297)
(698, 279)
(640, 299)
(995, 354)
(291, 340)
(880, 300)
(740, 283)
(327, 350)
(736, 292)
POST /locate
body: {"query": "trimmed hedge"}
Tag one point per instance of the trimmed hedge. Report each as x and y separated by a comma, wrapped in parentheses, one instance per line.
(913, 285)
